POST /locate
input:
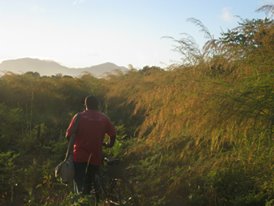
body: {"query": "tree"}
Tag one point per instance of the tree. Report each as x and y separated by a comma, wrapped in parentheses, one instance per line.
(248, 37)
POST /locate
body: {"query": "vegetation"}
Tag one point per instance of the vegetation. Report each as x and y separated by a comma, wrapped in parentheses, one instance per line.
(200, 133)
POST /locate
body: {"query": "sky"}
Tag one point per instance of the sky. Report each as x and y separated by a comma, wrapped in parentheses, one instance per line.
(82, 33)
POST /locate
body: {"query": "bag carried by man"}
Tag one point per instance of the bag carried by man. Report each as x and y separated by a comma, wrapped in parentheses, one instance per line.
(65, 169)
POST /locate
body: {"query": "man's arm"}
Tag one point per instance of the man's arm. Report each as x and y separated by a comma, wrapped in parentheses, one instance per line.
(111, 132)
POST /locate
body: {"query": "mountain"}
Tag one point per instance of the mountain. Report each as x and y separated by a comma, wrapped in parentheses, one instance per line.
(48, 68)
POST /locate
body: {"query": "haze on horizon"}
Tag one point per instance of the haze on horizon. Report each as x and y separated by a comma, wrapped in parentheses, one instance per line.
(80, 33)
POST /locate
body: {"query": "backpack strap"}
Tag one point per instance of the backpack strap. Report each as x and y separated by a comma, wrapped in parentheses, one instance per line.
(72, 137)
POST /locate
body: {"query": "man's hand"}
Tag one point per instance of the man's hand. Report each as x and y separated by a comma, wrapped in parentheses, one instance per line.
(111, 142)
(107, 145)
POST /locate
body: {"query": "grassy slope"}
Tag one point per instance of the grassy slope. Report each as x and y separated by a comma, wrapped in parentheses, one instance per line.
(205, 132)
(203, 140)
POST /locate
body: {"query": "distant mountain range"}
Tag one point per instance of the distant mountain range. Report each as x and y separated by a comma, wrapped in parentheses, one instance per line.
(49, 68)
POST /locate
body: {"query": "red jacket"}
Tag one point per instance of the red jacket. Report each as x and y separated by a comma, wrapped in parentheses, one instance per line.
(90, 133)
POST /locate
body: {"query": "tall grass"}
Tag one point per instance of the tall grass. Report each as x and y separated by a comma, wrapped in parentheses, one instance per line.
(206, 127)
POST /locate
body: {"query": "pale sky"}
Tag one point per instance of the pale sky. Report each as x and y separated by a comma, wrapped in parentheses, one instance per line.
(82, 33)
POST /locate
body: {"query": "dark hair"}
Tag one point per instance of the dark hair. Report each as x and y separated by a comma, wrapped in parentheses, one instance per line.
(91, 102)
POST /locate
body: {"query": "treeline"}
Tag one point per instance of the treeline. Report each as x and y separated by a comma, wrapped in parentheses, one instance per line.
(35, 112)
(200, 133)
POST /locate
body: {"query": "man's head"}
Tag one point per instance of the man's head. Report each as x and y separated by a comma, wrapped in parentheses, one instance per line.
(91, 102)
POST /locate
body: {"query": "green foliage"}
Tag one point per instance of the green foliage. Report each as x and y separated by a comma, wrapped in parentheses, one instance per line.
(120, 145)
(196, 134)
(9, 179)
(33, 121)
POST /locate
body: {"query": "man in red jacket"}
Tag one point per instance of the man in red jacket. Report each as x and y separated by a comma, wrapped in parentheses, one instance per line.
(89, 140)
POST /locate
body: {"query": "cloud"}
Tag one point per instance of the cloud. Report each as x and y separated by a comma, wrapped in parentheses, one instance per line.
(37, 9)
(77, 2)
(227, 15)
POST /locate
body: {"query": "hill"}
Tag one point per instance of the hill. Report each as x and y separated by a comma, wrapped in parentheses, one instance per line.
(48, 68)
